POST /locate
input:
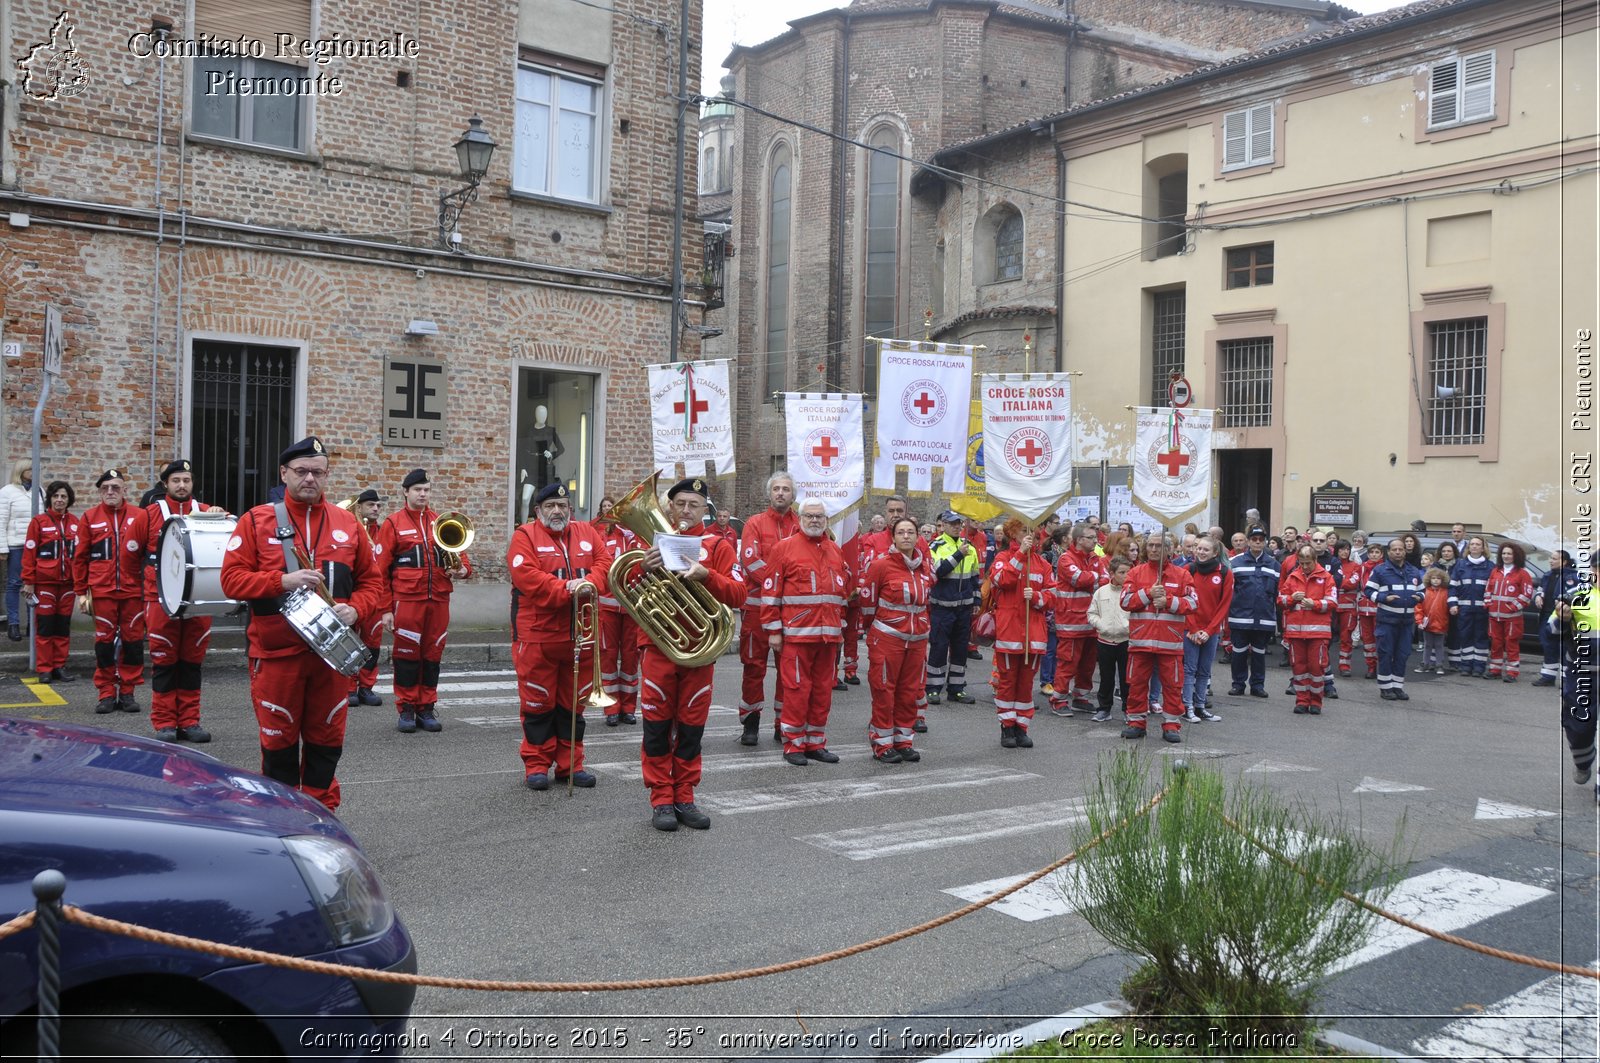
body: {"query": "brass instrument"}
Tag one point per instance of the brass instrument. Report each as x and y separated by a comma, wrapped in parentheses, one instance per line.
(349, 506)
(682, 617)
(452, 534)
(586, 635)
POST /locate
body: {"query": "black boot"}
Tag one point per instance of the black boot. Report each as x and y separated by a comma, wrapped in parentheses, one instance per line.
(15, 633)
(1008, 736)
(752, 730)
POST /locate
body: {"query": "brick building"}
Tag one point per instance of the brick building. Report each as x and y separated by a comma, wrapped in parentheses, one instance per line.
(237, 270)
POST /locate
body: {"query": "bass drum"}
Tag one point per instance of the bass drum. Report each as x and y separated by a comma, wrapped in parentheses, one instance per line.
(189, 565)
(333, 640)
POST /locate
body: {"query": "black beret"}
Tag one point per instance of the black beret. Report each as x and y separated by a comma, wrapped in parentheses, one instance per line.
(181, 465)
(413, 478)
(369, 495)
(557, 490)
(109, 474)
(690, 483)
(309, 447)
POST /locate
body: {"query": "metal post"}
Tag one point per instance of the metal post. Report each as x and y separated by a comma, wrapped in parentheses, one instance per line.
(48, 886)
(34, 489)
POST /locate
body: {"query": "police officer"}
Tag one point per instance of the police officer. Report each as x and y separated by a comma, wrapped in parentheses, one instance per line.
(957, 568)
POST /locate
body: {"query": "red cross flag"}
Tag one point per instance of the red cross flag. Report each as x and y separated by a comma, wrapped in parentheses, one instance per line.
(1172, 461)
(691, 419)
(1027, 441)
(826, 449)
(924, 391)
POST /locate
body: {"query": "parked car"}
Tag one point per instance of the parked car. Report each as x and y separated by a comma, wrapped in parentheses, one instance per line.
(166, 837)
(1538, 565)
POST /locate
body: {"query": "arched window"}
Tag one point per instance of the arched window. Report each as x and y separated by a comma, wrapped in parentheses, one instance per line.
(882, 267)
(708, 172)
(1008, 247)
(779, 211)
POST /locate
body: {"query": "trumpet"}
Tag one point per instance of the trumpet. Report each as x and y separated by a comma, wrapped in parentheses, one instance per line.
(586, 636)
(452, 533)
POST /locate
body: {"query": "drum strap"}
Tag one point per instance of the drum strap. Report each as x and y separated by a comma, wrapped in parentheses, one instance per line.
(285, 533)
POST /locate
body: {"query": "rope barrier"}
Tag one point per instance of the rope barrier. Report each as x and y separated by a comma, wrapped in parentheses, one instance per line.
(17, 925)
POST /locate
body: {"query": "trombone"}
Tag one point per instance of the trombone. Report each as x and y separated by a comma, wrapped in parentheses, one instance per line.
(586, 635)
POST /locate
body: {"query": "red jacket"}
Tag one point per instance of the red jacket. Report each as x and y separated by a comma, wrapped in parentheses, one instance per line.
(895, 596)
(874, 545)
(541, 562)
(1433, 612)
(803, 595)
(156, 514)
(1150, 631)
(1366, 606)
(1311, 618)
(1078, 575)
(412, 565)
(108, 558)
(620, 540)
(1213, 595)
(730, 535)
(1353, 579)
(47, 551)
(1508, 592)
(762, 534)
(253, 568)
(1008, 577)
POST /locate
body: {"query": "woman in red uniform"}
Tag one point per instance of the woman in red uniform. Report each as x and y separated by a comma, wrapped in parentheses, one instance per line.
(1022, 583)
(47, 573)
(1309, 599)
(895, 603)
(1510, 590)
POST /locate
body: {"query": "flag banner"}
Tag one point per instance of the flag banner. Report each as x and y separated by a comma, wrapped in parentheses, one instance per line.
(826, 450)
(923, 392)
(1171, 461)
(1027, 441)
(691, 418)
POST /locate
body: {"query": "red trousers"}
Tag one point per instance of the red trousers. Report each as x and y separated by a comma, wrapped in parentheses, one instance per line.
(805, 680)
(849, 651)
(895, 670)
(675, 703)
(1347, 634)
(1076, 657)
(1308, 661)
(300, 710)
(1505, 645)
(52, 626)
(754, 653)
(1013, 687)
(372, 638)
(1169, 666)
(420, 631)
(619, 659)
(552, 730)
(115, 618)
(177, 650)
(1369, 640)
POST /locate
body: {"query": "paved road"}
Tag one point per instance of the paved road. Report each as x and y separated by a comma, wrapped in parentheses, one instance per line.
(499, 882)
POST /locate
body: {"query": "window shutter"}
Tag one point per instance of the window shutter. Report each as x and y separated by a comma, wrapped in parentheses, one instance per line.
(260, 20)
(1261, 133)
(1477, 86)
(1235, 139)
(1444, 93)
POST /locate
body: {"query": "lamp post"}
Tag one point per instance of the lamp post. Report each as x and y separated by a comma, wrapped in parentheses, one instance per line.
(473, 152)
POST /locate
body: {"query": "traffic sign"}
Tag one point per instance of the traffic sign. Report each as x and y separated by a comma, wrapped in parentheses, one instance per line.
(54, 340)
(1178, 392)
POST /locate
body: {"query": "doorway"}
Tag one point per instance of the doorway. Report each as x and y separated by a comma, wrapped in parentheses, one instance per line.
(555, 438)
(1244, 481)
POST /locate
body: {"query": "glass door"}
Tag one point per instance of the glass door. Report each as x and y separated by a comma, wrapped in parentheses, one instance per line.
(555, 425)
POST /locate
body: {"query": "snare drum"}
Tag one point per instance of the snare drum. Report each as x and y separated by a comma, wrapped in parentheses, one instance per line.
(329, 637)
(189, 565)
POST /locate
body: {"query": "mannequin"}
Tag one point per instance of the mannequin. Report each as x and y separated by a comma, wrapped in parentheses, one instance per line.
(545, 442)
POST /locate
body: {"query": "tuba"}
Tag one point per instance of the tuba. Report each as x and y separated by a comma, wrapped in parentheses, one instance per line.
(680, 616)
(452, 534)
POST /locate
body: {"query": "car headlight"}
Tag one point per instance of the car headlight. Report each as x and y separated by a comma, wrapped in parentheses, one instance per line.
(344, 885)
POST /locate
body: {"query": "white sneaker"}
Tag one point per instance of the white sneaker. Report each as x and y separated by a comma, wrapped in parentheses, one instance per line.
(1191, 717)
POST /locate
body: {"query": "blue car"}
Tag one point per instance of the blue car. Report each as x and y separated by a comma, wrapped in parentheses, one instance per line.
(157, 834)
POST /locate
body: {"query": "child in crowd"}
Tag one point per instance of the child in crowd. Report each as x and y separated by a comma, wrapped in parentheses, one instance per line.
(1433, 619)
(1110, 623)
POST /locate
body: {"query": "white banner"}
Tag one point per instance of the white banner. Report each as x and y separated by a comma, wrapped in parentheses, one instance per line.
(1171, 461)
(924, 390)
(691, 418)
(1027, 441)
(826, 455)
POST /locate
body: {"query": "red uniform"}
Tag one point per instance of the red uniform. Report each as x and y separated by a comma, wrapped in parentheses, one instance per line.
(762, 534)
(1155, 640)
(1019, 625)
(894, 601)
(299, 700)
(674, 701)
(47, 568)
(108, 561)
(541, 562)
(620, 636)
(177, 647)
(1367, 618)
(1350, 583)
(1307, 627)
(803, 599)
(420, 583)
(856, 565)
(1078, 576)
(1509, 591)
(371, 630)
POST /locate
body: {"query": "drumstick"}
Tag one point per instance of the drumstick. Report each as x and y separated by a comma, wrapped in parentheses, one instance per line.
(305, 562)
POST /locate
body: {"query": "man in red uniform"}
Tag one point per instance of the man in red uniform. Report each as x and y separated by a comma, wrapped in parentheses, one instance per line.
(361, 684)
(557, 564)
(802, 611)
(1158, 596)
(1079, 573)
(762, 533)
(676, 701)
(1023, 587)
(421, 578)
(300, 543)
(619, 635)
(177, 647)
(47, 576)
(108, 571)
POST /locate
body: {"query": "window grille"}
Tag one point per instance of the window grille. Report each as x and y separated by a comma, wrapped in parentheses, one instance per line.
(1245, 383)
(241, 417)
(1166, 342)
(882, 251)
(1457, 381)
(1008, 248)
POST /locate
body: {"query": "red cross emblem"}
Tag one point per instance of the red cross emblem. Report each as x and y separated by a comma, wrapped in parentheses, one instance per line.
(924, 403)
(826, 451)
(1030, 451)
(697, 406)
(1173, 460)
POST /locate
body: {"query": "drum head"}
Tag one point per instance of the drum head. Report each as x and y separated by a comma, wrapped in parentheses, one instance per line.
(174, 565)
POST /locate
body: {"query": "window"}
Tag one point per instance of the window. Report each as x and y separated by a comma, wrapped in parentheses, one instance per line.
(557, 141)
(1249, 267)
(252, 101)
(1166, 341)
(708, 171)
(1245, 378)
(241, 416)
(882, 282)
(1247, 137)
(1172, 205)
(1457, 353)
(1461, 90)
(779, 208)
(1008, 248)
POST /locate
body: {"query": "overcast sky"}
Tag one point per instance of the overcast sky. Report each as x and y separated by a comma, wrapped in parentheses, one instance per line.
(731, 22)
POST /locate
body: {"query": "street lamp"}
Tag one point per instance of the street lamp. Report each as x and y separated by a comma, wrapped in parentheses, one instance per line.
(473, 152)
